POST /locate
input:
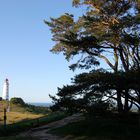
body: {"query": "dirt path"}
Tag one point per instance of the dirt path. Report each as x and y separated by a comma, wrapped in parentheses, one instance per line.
(42, 133)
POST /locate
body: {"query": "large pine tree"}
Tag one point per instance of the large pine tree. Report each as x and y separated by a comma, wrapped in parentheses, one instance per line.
(109, 30)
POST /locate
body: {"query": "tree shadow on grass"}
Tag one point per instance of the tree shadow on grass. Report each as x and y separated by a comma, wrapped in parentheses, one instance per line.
(103, 127)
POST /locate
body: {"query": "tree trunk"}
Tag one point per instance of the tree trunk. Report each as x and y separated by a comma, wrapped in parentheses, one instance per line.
(126, 108)
(119, 101)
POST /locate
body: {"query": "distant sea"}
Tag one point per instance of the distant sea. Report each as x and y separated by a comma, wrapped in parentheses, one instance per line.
(41, 104)
(134, 108)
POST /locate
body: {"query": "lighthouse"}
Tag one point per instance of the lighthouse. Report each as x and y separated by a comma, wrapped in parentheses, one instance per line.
(5, 94)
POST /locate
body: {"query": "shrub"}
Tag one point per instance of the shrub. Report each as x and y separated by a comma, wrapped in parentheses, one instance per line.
(0, 98)
(17, 100)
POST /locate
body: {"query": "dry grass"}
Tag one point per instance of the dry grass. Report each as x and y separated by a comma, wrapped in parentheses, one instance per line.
(13, 117)
(17, 113)
(3, 105)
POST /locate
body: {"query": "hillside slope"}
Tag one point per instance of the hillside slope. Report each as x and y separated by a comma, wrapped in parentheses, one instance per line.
(24, 108)
(21, 112)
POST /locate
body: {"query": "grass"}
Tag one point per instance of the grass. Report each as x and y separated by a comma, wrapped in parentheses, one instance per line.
(105, 127)
(13, 117)
(21, 118)
(21, 113)
(15, 128)
(16, 138)
(26, 108)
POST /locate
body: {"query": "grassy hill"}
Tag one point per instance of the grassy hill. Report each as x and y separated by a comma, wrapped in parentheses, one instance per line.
(26, 108)
(21, 112)
(24, 117)
(14, 117)
(3, 104)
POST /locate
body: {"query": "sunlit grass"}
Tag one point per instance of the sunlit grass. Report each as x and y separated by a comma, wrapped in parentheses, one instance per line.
(22, 118)
(13, 117)
(17, 113)
(24, 125)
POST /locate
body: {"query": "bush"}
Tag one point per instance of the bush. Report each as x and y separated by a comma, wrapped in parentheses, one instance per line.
(0, 98)
(16, 100)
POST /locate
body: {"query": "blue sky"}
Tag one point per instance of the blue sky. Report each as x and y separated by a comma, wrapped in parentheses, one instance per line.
(33, 71)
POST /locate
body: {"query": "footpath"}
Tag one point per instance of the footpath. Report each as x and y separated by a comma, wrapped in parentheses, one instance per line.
(42, 133)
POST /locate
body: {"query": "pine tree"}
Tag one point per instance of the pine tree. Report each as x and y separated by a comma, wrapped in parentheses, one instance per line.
(109, 30)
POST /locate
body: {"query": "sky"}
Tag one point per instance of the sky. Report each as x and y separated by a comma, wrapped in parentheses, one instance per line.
(25, 43)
